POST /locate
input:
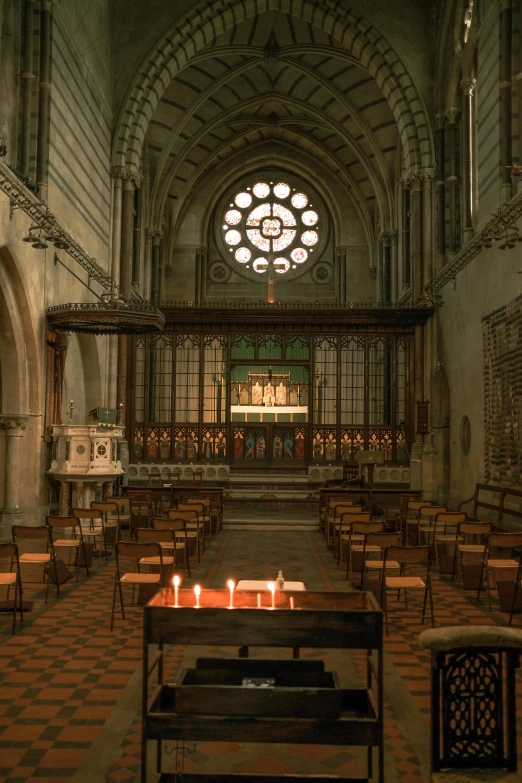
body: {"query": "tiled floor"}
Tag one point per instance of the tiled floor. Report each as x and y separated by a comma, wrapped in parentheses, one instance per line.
(69, 688)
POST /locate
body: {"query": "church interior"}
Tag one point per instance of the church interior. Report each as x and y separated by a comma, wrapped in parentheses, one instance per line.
(260, 321)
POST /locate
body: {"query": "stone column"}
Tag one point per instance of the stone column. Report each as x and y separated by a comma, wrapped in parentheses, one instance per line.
(44, 98)
(406, 239)
(26, 79)
(451, 181)
(127, 235)
(440, 191)
(80, 487)
(427, 176)
(394, 238)
(14, 426)
(147, 266)
(385, 267)
(506, 48)
(155, 268)
(417, 224)
(63, 503)
(468, 86)
(117, 173)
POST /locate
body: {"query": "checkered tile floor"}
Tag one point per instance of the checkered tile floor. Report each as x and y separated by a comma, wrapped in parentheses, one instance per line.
(69, 688)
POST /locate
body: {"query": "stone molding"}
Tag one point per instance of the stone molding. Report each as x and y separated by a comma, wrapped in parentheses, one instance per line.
(13, 423)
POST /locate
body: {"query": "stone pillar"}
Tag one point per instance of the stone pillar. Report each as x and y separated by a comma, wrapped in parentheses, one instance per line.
(427, 177)
(14, 426)
(394, 238)
(440, 191)
(385, 268)
(506, 47)
(80, 487)
(406, 238)
(418, 391)
(26, 79)
(147, 266)
(340, 260)
(44, 99)
(127, 235)
(417, 224)
(468, 86)
(451, 181)
(155, 268)
(117, 173)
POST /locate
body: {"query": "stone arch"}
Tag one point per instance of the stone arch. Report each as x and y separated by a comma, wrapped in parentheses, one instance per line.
(209, 20)
(83, 379)
(19, 355)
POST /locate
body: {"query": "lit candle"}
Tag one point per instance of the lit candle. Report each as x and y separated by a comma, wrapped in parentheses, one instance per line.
(271, 587)
(231, 585)
(291, 602)
(197, 592)
(176, 581)
(259, 600)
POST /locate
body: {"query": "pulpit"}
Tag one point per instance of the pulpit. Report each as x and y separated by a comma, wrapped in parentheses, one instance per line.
(87, 457)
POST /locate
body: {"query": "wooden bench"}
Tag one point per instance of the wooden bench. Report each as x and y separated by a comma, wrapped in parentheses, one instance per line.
(494, 503)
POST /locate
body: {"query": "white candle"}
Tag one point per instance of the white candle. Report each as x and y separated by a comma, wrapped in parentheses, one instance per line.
(231, 586)
(291, 602)
(259, 600)
(271, 587)
(197, 591)
(176, 581)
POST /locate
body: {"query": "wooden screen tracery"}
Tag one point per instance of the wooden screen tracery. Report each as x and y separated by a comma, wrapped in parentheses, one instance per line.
(356, 387)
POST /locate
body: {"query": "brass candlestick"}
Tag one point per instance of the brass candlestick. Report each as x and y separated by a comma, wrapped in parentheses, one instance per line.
(71, 406)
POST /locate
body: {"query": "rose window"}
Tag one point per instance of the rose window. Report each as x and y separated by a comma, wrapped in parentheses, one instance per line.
(271, 222)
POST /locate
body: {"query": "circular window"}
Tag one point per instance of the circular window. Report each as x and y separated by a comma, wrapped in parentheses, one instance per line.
(270, 222)
(465, 435)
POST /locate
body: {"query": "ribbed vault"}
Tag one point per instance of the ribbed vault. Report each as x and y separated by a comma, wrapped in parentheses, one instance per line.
(315, 75)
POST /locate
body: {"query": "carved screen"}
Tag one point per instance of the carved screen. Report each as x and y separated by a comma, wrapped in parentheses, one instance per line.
(503, 393)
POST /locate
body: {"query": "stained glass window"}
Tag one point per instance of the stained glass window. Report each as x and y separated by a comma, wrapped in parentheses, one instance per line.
(266, 220)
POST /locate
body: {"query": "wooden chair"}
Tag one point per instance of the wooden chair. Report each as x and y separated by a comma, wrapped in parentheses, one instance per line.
(39, 537)
(344, 529)
(177, 529)
(123, 512)
(111, 526)
(175, 475)
(428, 524)
(405, 556)
(193, 525)
(140, 512)
(329, 513)
(93, 529)
(337, 510)
(167, 540)
(197, 475)
(205, 505)
(411, 517)
(375, 542)
(183, 507)
(61, 527)
(470, 542)
(446, 524)
(11, 579)
(135, 551)
(505, 568)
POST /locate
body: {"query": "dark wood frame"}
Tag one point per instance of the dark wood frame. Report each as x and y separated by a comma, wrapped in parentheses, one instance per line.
(291, 320)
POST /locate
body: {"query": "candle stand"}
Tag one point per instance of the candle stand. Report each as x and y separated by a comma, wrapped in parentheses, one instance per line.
(272, 701)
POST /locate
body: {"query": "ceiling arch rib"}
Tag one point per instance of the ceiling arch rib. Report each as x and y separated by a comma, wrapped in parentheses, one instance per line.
(359, 37)
(219, 157)
(283, 156)
(163, 183)
(349, 110)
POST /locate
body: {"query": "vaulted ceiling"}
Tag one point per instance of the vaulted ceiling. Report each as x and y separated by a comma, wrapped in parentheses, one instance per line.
(273, 76)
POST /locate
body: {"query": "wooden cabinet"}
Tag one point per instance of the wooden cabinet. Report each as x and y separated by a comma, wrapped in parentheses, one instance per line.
(301, 619)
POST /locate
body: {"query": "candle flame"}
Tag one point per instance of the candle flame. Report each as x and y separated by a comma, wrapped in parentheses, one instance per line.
(197, 590)
(176, 581)
(271, 586)
(231, 584)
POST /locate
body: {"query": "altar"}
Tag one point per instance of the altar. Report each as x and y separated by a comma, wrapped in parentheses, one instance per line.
(275, 413)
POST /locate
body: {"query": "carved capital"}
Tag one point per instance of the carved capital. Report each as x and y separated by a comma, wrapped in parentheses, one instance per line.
(385, 237)
(118, 173)
(440, 120)
(394, 236)
(452, 115)
(131, 181)
(157, 236)
(13, 423)
(468, 86)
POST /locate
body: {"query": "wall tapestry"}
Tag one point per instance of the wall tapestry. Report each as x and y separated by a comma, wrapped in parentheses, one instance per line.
(502, 331)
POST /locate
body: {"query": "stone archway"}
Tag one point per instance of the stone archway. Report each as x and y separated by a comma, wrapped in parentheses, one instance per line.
(20, 371)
